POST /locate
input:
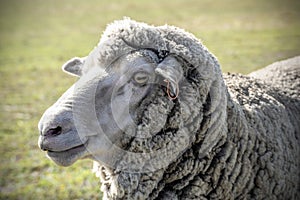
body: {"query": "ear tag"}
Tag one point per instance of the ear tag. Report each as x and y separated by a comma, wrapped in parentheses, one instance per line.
(171, 97)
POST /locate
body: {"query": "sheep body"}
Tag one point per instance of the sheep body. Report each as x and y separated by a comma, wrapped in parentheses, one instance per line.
(269, 135)
(283, 74)
(258, 159)
(244, 146)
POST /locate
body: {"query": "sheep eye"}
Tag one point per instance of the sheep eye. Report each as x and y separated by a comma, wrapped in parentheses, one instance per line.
(141, 78)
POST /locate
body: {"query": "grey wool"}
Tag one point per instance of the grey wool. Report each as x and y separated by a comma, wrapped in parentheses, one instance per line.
(226, 136)
(244, 133)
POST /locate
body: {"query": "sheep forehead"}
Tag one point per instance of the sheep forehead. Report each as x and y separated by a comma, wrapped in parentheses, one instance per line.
(134, 62)
(147, 54)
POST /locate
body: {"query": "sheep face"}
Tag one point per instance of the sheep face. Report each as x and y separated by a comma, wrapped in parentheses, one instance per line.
(98, 115)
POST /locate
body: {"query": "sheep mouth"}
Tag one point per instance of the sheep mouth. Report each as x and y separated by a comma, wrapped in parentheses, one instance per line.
(79, 149)
(68, 150)
(69, 156)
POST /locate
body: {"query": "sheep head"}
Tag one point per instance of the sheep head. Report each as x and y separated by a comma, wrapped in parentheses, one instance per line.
(99, 115)
(145, 96)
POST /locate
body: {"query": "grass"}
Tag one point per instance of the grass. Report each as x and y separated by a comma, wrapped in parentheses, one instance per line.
(37, 37)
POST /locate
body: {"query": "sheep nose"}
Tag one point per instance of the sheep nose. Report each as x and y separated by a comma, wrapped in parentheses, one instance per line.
(46, 134)
(55, 121)
(52, 132)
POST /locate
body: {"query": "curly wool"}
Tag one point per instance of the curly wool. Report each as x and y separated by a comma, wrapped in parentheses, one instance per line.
(282, 74)
(233, 141)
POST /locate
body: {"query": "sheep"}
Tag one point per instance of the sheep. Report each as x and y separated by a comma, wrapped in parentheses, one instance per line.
(154, 112)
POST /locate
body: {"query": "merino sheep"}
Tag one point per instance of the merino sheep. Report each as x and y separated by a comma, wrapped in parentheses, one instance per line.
(160, 121)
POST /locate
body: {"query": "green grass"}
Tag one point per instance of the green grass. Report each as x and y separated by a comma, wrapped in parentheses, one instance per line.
(38, 36)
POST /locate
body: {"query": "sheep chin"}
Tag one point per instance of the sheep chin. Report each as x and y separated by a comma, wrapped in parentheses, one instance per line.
(68, 157)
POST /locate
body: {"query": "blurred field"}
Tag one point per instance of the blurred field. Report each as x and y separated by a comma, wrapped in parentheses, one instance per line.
(37, 36)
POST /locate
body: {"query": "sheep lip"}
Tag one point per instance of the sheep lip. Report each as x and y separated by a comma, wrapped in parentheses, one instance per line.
(68, 157)
(67, 150)
(81, 146)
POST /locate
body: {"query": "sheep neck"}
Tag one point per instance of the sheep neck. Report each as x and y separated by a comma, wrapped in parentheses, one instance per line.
(207, 137)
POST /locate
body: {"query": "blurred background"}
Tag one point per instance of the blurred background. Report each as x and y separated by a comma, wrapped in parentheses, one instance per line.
(38, 36)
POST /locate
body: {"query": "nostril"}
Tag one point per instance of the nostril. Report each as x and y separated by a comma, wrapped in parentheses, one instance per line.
(53, 131)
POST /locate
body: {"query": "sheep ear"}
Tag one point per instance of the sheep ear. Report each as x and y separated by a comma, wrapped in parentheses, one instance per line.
(74, 66)
(171, 70)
